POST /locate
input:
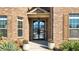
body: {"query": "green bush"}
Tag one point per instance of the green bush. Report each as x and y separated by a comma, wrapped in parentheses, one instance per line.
(72, 45)
(8, 46)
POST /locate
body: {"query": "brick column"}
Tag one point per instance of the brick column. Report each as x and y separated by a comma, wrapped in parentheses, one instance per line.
(66, 25)
(13, 24)
(58, 27)
(26, 28)
(9, 27)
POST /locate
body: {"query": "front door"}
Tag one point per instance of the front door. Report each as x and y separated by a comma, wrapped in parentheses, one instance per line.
(38, 29)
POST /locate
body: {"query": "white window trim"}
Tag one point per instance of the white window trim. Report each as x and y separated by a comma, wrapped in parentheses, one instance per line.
(77, 17)
(19, 20)
(73, 28)
(3, 28)
(73, 38)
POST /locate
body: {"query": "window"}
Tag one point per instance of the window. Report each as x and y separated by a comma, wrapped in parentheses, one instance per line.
(3, 25)
(20, 26)
(74, 25)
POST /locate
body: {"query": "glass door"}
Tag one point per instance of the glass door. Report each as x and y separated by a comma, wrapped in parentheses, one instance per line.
(38, 29)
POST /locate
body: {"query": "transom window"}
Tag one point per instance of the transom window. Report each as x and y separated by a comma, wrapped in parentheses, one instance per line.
(3, 25)
(74, 25)
(20, 26)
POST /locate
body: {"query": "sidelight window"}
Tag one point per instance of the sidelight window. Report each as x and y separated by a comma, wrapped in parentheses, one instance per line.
(20, 26)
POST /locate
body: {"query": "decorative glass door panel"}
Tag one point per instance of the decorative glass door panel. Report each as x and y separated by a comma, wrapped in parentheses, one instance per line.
(38, 29)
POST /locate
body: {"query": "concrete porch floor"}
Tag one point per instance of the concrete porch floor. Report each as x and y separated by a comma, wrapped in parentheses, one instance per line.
(38, 45)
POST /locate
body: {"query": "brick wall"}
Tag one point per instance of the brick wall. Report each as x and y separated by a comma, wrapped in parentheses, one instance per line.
(12, 14)
(60, 21)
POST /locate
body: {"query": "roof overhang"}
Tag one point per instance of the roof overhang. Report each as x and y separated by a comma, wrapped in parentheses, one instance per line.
(38, 12)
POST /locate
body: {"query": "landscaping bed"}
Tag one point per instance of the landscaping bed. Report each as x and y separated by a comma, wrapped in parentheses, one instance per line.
(8, 45)
(70, 45)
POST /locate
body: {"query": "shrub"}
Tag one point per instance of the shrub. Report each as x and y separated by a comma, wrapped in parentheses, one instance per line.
(70, 46)
(8, 46)
(25, 41)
